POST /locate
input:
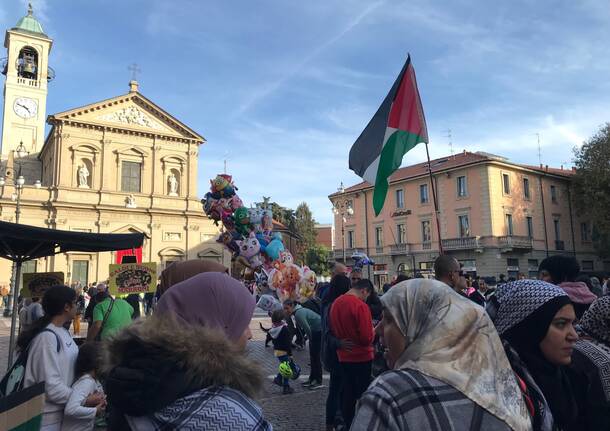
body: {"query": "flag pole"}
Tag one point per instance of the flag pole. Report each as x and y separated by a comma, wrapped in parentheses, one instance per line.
(438, 225)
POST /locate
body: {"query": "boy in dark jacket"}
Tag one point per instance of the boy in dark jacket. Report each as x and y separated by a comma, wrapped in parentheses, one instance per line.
(282, 346)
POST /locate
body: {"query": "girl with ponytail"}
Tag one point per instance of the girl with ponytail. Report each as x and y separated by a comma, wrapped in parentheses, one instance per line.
(52, 354)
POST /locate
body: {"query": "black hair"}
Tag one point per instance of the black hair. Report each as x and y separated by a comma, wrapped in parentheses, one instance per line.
(339, 285)
(88, 359)
(561, 268)
(290, 302)
(365, 283)
(54, 302)
(277, 316)
(444, 265)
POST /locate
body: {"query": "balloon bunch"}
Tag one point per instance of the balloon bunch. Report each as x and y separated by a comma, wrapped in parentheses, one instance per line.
(248, 234)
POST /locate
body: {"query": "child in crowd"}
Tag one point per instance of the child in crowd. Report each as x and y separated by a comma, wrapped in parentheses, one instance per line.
(77, 417)
(282, 346)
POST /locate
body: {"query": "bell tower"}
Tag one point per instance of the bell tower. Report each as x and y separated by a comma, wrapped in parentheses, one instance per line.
(27, 72)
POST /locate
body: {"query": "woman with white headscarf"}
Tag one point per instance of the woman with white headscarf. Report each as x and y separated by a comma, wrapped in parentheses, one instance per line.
(448, 367)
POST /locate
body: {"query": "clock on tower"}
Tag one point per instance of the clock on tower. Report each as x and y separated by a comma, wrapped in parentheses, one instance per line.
(27, 72)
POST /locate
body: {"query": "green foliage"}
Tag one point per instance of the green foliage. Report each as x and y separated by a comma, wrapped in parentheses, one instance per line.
(284, 215)
(317, 258)
(592, 187)
(306, 229)
(302, 224)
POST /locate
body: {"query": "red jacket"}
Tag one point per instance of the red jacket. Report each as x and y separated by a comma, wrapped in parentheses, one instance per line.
(350, 318)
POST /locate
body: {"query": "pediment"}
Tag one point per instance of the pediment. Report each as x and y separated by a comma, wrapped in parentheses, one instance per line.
(130, 112)
(133, 116)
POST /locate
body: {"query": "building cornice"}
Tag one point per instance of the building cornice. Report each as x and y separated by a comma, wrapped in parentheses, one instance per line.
(541, 172)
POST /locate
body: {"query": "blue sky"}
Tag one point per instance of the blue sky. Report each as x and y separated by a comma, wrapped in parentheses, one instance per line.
(282, 89)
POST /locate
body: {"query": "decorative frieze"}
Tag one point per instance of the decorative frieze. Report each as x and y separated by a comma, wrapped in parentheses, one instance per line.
(132, 116)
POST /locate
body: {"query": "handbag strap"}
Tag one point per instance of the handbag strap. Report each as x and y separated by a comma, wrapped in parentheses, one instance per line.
(99, 334)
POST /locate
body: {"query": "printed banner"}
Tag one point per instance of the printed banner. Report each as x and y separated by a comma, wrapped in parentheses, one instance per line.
(128, 278)
(35, 284)
(22, 410)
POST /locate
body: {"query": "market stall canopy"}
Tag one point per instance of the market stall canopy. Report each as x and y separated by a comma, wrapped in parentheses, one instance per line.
(19, 242)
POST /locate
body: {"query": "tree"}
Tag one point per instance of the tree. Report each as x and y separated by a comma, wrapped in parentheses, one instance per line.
(592, 187)
(283, 215)
(306, 229)
(317, 258)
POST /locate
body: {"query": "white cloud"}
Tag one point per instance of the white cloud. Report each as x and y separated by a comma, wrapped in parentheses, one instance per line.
(266, 89)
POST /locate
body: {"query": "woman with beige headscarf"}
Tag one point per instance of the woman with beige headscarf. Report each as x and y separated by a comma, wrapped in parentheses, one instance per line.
(448, 367)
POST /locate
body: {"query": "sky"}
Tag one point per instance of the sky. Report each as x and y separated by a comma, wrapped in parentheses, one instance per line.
(282, 89)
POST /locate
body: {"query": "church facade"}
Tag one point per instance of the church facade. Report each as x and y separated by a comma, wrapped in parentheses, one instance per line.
(115, 166)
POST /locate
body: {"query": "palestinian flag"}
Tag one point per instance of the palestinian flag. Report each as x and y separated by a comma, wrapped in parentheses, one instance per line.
(397, 126)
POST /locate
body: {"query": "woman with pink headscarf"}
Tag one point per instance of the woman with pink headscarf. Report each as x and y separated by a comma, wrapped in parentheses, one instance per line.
(185, 367)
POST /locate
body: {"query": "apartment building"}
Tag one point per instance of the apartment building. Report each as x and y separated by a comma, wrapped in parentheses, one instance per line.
(495, 217)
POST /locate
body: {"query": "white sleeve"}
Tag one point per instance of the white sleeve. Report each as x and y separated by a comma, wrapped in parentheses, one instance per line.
(44, 360)
(80, 391)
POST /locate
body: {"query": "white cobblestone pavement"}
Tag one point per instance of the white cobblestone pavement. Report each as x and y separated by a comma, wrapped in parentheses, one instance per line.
(302, 411)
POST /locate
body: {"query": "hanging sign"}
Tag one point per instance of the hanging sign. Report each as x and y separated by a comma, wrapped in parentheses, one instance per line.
(128, 278)
(35, 284)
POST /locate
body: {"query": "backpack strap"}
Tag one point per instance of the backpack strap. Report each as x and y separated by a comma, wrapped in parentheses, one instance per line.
(56, 337)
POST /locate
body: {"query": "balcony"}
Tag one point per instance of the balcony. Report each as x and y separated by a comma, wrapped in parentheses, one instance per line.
(511, 242)
(28, 82)
(560, 245)
(399, 249)
(378, 251)
(338, 253)
(467, 243)
(426, 245)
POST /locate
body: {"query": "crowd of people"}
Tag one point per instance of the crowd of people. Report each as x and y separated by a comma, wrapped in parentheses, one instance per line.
(425, 354)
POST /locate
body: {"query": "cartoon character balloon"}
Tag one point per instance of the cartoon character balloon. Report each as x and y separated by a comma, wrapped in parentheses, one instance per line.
(307, 285)
(248, 234)
(222, 186)
(250, 249)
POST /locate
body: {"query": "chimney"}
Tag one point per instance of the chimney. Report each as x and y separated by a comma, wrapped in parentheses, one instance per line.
(562, 167)
(540, 165)
(546, 168)
(464, 152)
(573, 168)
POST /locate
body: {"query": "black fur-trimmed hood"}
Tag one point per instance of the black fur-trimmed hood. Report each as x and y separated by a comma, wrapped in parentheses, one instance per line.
(153, 362)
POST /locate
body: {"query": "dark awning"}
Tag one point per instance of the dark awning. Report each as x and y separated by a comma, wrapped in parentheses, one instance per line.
(19, 242)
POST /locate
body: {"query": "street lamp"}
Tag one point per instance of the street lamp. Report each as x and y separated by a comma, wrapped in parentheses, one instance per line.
(18, 183)
(343, 207)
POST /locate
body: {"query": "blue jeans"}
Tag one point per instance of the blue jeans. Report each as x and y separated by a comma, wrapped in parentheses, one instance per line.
(285, 381)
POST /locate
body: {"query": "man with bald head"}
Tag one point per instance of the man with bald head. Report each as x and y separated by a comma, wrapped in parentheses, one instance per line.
(339, 269)
(447, 269)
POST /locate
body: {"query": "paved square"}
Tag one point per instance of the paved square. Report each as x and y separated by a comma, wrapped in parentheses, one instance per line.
(303, 410)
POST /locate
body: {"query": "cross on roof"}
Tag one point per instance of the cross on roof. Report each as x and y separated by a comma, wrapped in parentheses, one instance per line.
(134, 71)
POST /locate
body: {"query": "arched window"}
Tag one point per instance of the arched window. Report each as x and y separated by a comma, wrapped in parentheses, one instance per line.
(27, 63)
(402, 268)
